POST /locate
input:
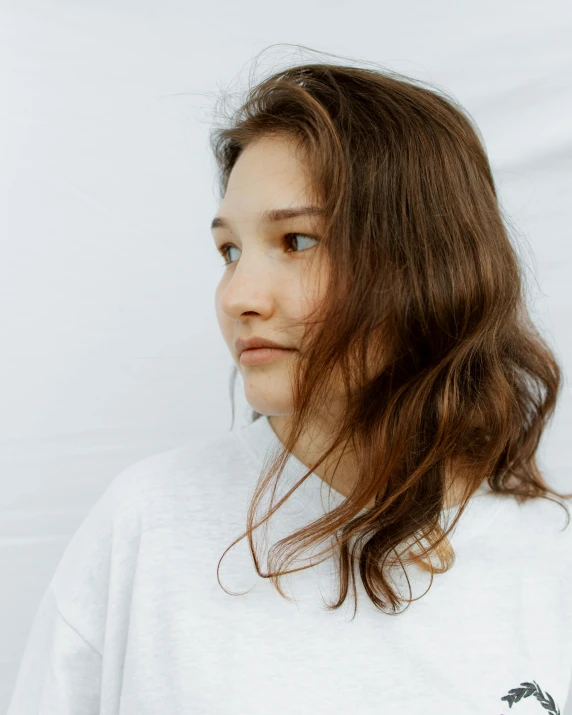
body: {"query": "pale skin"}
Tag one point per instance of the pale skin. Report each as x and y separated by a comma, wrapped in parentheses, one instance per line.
(271, 282)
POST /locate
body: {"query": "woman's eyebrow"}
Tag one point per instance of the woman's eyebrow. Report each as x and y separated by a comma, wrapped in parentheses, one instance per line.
(273, 215)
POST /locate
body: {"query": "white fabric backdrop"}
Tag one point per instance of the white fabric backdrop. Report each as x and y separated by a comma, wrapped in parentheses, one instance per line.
(110, 346)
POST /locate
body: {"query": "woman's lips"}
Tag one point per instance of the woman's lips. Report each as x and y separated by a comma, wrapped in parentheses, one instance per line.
(261, 356)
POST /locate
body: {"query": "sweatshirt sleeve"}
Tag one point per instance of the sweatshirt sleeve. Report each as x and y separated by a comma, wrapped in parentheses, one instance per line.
(60, 671)
(568, 704)
(73, 658)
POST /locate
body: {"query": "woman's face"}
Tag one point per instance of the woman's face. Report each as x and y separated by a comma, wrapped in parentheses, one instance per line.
(273, 278)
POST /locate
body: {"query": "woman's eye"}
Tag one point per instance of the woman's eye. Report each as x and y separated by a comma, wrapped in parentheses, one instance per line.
(290, 239)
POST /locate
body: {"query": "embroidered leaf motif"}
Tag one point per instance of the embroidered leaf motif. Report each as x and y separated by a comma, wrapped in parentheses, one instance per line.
(528, 689)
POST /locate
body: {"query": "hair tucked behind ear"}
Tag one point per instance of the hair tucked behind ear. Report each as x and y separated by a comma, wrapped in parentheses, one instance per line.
(424, 316)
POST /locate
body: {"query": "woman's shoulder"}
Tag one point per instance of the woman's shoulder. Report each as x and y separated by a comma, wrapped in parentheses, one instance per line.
(535, 533)
(171, 483)
(165, 488)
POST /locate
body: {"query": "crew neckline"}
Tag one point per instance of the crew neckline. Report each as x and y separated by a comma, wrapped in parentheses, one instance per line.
(261, 440)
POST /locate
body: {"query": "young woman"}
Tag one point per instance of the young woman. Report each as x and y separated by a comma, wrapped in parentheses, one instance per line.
(396, 422)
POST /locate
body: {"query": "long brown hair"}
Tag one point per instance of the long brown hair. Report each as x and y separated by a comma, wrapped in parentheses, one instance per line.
(423, 277)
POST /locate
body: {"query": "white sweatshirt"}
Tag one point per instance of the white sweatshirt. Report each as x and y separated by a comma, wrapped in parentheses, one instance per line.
(134, 621)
